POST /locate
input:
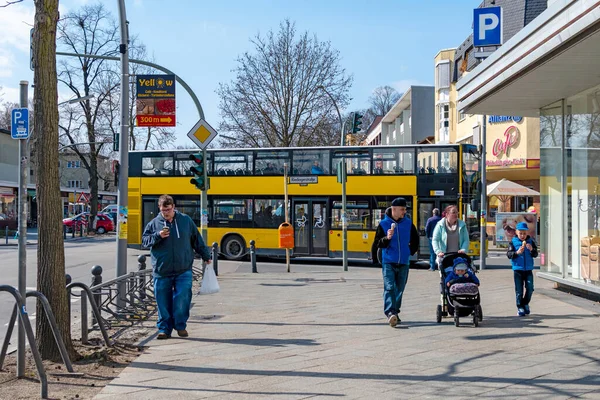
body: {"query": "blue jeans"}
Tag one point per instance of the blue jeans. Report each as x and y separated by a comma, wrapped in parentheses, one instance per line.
(173, 298)
(523, 278)
(432, 255)
(395, 277)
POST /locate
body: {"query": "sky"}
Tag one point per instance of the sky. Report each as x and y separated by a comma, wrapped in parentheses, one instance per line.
(386, 43)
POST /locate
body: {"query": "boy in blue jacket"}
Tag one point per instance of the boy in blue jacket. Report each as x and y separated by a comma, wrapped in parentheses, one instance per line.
(522, 249)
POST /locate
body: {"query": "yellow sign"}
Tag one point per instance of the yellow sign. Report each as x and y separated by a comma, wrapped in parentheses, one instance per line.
(123, 229)
(202, 134)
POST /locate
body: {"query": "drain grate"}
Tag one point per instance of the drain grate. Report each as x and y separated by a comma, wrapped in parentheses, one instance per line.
(313, 280)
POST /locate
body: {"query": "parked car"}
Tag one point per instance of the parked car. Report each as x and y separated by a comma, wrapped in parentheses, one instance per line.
(111, 210)
(103, 222)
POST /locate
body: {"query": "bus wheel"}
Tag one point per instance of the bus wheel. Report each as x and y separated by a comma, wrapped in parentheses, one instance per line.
(233, 247)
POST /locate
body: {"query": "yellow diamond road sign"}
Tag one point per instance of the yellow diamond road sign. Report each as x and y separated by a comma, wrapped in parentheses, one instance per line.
(202, 134)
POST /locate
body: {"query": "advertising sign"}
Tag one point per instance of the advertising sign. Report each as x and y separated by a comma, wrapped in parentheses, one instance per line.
(155, 100)
(506, 223)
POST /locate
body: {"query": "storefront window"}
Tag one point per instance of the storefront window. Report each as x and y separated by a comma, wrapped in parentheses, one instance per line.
(552, 234)
(8, 208)
(582, 125)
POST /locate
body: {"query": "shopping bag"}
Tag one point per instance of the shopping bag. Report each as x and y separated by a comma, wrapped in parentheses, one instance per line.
(209, 281)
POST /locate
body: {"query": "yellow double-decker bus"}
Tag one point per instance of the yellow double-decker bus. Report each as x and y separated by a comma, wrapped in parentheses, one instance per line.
(246, 194)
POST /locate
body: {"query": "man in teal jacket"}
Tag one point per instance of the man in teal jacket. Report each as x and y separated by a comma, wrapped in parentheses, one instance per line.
(172, 238)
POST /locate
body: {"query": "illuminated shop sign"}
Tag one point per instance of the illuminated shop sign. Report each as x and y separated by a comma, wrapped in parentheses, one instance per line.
(496, 119)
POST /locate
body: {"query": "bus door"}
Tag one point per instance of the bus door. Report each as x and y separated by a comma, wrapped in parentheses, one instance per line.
(426, 207)
(311, 227)
(149, 210)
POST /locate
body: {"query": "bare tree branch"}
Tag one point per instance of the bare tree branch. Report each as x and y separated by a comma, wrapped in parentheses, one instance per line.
(274, 100)
(8, 3)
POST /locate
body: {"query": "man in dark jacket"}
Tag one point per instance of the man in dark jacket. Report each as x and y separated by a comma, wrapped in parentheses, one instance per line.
(429, 227)
(398, 238)
(172, 238)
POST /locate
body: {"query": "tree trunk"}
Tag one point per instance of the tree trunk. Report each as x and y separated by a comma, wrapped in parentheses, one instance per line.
(51, 256)
(93, 186)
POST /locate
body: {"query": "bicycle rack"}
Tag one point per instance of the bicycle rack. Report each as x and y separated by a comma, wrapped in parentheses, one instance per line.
(30, 337)
(50, 315)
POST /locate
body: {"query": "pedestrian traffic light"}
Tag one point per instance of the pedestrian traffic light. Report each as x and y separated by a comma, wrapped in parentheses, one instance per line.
(198, 171)
(356, 122)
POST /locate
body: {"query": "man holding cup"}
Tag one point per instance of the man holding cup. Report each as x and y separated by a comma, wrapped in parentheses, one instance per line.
(398, 238)
(173, 238)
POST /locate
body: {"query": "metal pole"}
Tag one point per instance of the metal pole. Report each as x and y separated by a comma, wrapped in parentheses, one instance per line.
(344, 226)
(23, 172)
(482, 232)
(123, 156)
(287, 211)
(204, 202)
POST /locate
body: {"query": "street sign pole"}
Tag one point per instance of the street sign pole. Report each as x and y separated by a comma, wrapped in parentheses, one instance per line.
(123, 158)
(204, 202)
(23, 172)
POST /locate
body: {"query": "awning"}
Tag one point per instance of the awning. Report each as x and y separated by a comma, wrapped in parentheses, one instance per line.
(505, 188)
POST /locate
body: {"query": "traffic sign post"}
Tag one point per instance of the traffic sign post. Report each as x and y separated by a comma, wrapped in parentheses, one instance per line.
(202, 134)
(19, 129)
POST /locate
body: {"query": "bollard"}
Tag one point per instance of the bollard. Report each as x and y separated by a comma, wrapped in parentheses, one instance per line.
(96, 280)
(253, 256)
(73, 231)
(64, 232)
(215, 257)
(6, 233)
(68, 280)
(142, 267)
(80, 230)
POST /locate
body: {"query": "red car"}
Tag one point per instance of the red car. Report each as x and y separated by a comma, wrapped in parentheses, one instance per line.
(103, 222)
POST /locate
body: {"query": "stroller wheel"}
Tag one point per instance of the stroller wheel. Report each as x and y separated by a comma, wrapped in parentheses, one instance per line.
(480, 312)
(456, 322)
(438, 314)
(476, 317)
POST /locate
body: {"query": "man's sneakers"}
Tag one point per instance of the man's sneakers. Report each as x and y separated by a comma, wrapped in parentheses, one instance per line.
(521, 311)
(182, 333)
(393, 320)
(162, 336)
(527, 310)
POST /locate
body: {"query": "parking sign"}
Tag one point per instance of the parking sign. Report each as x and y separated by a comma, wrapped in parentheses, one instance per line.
(19, 123)
(487, 26)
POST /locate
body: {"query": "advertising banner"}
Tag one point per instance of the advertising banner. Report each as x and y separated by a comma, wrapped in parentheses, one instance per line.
(506, 224)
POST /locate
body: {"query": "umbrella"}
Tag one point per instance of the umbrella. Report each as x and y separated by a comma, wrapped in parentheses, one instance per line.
(505, 189)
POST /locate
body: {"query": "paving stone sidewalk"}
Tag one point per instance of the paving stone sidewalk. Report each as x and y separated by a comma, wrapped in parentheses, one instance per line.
(321, 333)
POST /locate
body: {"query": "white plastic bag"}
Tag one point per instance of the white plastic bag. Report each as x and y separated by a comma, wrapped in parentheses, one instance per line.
(209, 281)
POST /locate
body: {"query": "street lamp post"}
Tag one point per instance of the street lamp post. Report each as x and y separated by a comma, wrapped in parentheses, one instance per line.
(343, 175)
(123, 142)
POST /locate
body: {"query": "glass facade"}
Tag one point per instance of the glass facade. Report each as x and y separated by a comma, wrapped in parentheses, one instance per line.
(570, 171)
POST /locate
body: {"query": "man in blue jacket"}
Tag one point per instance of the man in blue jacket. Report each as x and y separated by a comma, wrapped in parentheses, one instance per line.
(172, 238)
(522, 249)
(398, 238)
(429, 227)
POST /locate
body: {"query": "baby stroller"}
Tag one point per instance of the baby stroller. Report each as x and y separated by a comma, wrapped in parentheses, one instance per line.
(457, 304)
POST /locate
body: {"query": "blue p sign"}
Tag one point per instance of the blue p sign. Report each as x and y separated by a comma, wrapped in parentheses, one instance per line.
(487, 26)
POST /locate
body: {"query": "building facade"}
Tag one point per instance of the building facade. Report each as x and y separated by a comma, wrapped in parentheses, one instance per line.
(73, 182)
(445, 98)
(549, 70)
(409, 121)
(512, 141)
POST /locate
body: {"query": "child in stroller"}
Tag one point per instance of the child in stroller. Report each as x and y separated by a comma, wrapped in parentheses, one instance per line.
(459, 289)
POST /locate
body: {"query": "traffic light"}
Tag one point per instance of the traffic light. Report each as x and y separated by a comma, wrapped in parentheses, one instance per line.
(198, 171)
(356, 122)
